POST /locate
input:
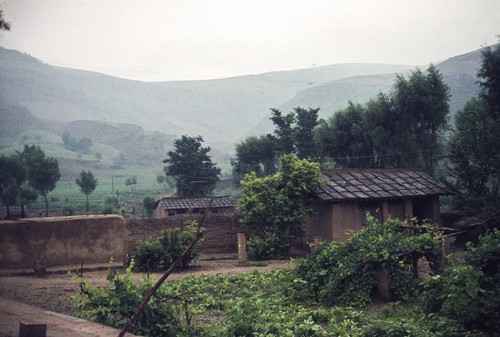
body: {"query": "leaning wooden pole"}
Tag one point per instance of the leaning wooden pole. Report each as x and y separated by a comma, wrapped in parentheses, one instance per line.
(152, 291)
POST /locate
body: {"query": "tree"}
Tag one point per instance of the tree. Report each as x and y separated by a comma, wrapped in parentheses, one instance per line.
(401, 129)
(12, 175)
(474, 146)
(254, 154)
(189, 163)
(283, 131)
(489, 78)
(149, 204)
(423, 100)
(132, 181)
(293, 132)
(4, 25)
(27, 196)
(87, 183)
(306, 121)
(345, 137)
(42, 172)
(278, 204)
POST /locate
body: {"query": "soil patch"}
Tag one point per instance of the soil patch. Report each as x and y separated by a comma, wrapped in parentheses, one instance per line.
(53, 290)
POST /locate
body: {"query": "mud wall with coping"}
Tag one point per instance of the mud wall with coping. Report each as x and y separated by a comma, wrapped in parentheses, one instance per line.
(45, 242)
(219, 237)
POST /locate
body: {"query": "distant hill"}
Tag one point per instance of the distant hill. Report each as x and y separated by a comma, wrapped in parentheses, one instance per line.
(219, 110)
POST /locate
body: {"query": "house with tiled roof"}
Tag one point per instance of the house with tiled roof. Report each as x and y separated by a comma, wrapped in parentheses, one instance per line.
(172, 206)
(348, 194)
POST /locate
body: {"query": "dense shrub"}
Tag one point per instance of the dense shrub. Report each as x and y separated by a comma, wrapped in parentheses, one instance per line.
(113, 306)
(158, 254)
(344, 273)
(270, 246)
(469, 293)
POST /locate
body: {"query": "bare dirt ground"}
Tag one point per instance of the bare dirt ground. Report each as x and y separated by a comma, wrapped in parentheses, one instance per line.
(51, 294)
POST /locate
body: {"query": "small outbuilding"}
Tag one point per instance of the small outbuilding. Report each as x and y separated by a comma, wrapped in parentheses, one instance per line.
(172, 206)
(347, 195)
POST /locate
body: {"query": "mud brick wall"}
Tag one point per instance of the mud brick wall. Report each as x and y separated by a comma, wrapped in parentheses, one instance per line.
(220, 231)
(39, 243)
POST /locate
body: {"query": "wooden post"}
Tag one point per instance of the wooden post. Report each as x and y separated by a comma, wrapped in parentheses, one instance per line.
(445, 248)
(383, 283)
(242, 249)
(32, 330)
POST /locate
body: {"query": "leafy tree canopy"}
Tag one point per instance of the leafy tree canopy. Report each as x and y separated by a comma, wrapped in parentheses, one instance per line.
(254, 154)
(42, 172)
(277, 205)
(12, 175)
(87, 183)
(474, 147)
(192, 168)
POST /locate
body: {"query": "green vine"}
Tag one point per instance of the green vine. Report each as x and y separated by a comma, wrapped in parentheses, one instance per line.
(345, 273)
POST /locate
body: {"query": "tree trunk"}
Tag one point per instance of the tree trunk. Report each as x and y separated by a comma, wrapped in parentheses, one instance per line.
(46, 204)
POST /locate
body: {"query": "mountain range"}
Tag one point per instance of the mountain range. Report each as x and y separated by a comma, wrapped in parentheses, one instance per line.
(224, 111)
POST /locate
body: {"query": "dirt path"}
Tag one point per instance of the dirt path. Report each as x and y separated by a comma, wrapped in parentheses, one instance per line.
(46, 298)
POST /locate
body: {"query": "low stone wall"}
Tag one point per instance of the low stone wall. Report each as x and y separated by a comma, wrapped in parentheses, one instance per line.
(39, 243)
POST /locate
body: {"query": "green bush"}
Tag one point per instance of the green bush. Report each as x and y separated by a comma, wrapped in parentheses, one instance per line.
(114, 305)
(271, 246)
(158, 254)
(344, 273)
(149, 256)
(469, 294)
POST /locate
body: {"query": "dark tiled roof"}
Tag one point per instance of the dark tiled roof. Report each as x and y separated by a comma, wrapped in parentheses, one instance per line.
(348, 184)
(198, 203)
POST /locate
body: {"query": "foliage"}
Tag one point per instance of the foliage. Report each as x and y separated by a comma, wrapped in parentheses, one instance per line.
(81, 145)
(249, 304)
(27, 196)
(87, 183)
(469, 294)
(266, 303)
(254, 154)
(149, 205)
(475, 143)
(114, 306)
(424, 100)
(269, 246)
(42, 172)
(401, 129)
(159, 254)
(293, 133)
(192, 168)
(346, 137)
(111, 204)
(12, 176)
(131, 181)
(278, 204)
(4, 25)
(344, 273)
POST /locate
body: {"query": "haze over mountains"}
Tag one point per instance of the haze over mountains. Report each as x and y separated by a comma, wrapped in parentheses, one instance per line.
(223, 111)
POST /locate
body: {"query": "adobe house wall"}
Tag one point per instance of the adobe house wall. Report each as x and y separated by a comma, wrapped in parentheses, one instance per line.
(44, 242)
(334, 221)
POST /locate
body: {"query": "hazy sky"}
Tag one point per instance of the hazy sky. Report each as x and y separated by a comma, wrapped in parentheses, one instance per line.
(194, 39)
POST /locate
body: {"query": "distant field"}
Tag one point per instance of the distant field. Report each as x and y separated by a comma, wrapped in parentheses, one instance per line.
(111, 174)
(67, 193)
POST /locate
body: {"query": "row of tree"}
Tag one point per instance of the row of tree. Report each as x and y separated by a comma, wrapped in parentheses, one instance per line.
(403, 128)
(25, 175)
